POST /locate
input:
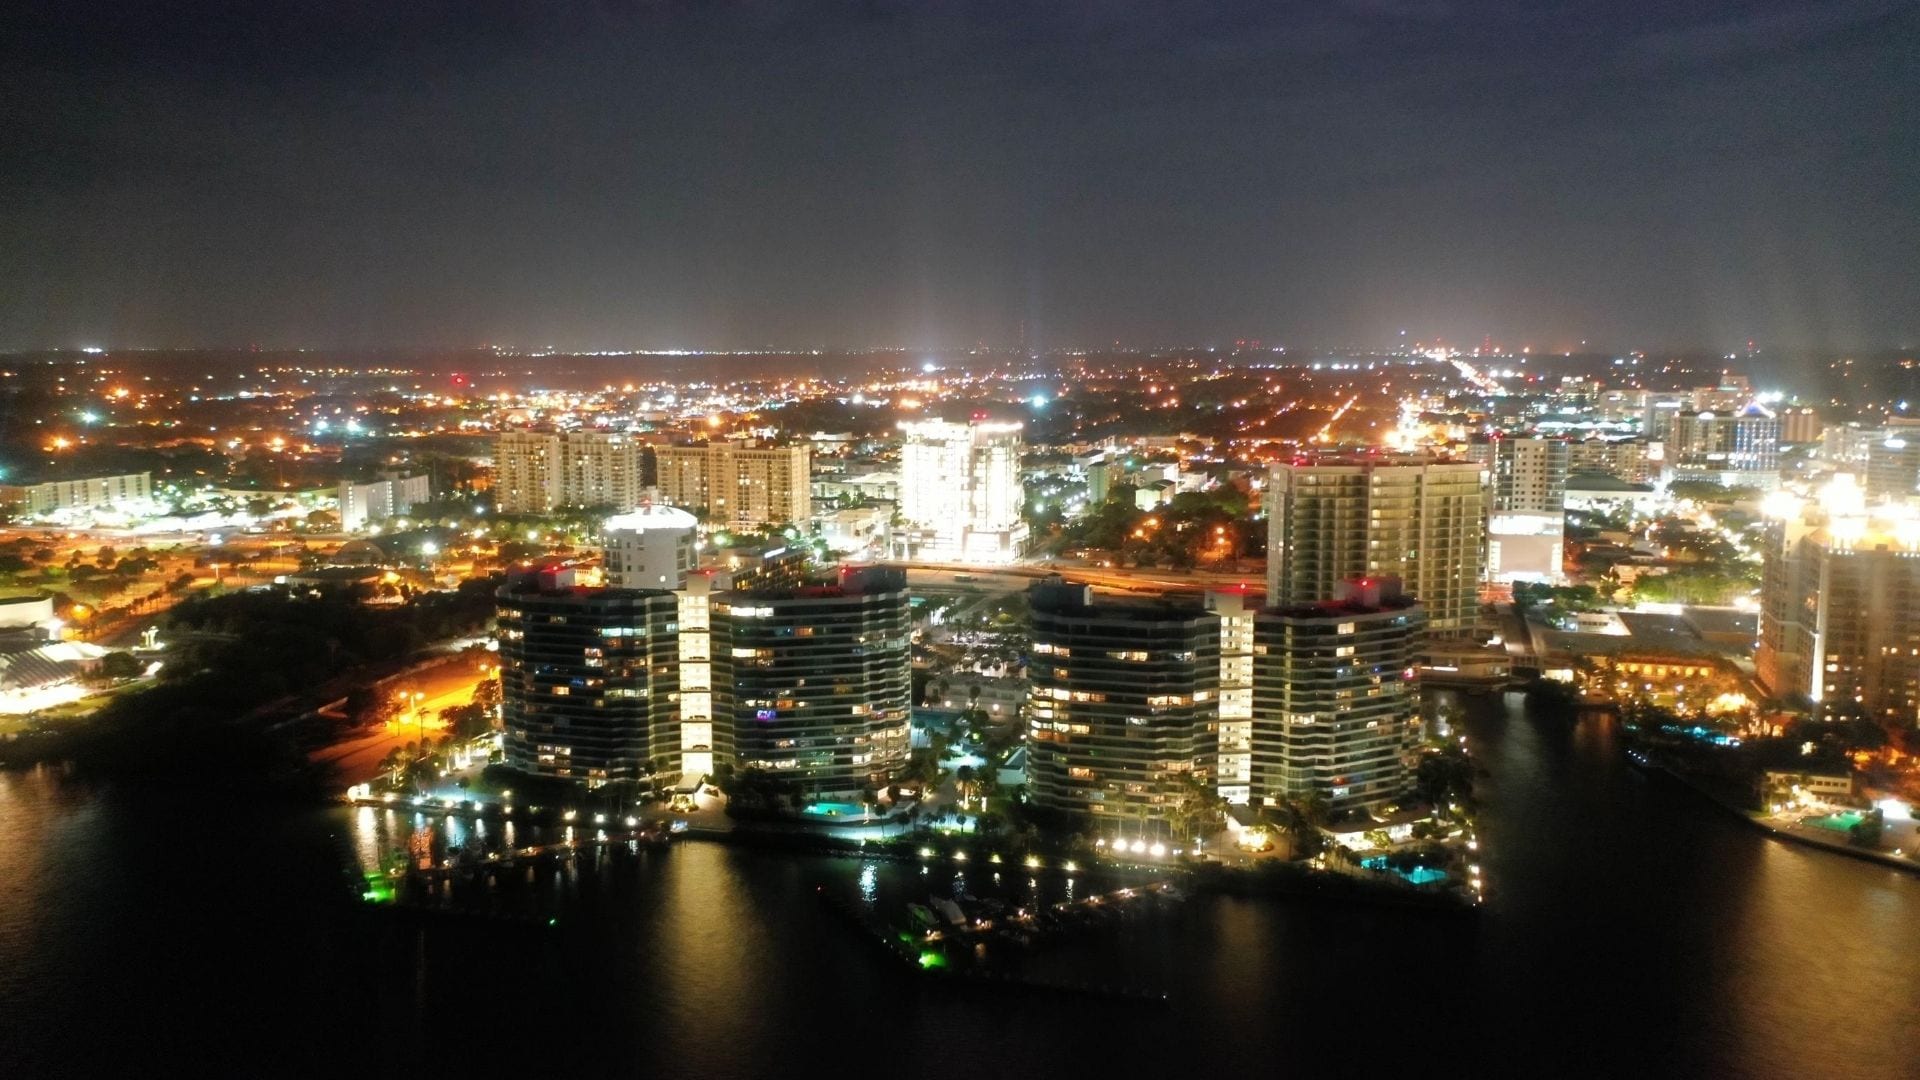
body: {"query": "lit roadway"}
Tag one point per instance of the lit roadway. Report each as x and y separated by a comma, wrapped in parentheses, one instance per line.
(357, 756)
(924, 577)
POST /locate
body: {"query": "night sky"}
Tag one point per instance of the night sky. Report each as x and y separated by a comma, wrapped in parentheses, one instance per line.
(928, 174)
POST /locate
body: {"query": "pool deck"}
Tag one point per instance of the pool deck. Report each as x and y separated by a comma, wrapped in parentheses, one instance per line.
(1902, 834)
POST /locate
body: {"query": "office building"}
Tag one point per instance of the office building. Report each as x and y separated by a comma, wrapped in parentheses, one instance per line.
(1335, 713)
(653, 547)
(1124, 700)
(738, 483)
(365, 505)
(1337, 519)
(1845, 446)
(1893, 465)
(1526, 533)
(1840, 605)
(815, 681)
(1736, 449)
(589, 677)
(539, 471)
(960, 490)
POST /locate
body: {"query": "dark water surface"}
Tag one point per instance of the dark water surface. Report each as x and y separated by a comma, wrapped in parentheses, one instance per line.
(1631, 928)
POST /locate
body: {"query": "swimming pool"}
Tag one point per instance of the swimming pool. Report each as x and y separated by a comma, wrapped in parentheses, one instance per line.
(1843, 821)
(836, 809)
(1419, 875)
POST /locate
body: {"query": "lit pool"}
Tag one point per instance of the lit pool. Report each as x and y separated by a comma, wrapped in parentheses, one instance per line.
(1841, 822)
(836, 809)
(1419, 875)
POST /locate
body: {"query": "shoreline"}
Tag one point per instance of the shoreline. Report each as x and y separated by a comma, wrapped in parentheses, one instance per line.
(1882, 858)
(1284, 881)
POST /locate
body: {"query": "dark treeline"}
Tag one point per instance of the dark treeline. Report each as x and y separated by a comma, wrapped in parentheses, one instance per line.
(228, 656)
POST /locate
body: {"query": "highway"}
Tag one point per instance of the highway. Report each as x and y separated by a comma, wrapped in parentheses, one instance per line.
(941, 577)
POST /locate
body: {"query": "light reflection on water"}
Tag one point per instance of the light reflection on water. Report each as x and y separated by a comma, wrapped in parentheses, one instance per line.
(1621, 907)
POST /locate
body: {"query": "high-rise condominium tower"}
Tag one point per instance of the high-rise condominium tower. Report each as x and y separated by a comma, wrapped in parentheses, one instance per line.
(1840, 605)
(1528, 473)
(815, 682)
(1334, 709)
(738, 483)
(960, 488)
(652, 547)
(538, 471)
(1338, 519)
(589, 677)
(1124, 700)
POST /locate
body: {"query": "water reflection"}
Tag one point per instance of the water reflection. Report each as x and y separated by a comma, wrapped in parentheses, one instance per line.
(1633, 929)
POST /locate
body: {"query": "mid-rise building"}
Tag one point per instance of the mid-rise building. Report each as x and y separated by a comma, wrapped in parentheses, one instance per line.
(1893, 465)
(1124, 700)
(1740, 448)
(1800, 425)
(1337, 519)
(589, 678)
(1840, 605)
(1526, 533)
(1845, 445)
(1334, 709)
(960, 489)
(539, 471)
(1622, 459)
(1526, 546)
(1528, 473)
(127, 493)
(738, 483)
(365, 505)
(815, 682)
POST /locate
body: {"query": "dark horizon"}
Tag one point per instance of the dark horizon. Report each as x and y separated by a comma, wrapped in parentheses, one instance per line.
(852, 176)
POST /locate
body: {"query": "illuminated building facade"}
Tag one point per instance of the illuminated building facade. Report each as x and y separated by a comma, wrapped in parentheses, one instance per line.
(1623, 459)
(1332, 521)
(1334, 708)
(1736, 449)
(1840, 605)
(130, 492)
(1529, 473)
(654, 547)
(960, 489)
(816, 681)
(1123, 702)
(738, 483)
(363, 505)
(539, 471)
(589, 677)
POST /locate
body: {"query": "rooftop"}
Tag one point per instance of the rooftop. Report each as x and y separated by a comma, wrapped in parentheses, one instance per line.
(652, 516)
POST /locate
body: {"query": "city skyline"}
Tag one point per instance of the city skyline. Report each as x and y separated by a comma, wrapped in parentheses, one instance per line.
(959, 537)
(676, 178)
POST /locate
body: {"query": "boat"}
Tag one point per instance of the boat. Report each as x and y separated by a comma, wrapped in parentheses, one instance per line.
(949, 910)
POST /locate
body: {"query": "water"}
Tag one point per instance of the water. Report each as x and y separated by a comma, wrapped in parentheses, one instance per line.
(1631, 927)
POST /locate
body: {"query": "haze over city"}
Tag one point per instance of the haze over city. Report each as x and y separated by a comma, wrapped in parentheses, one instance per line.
(938, 539)
(854, 175)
